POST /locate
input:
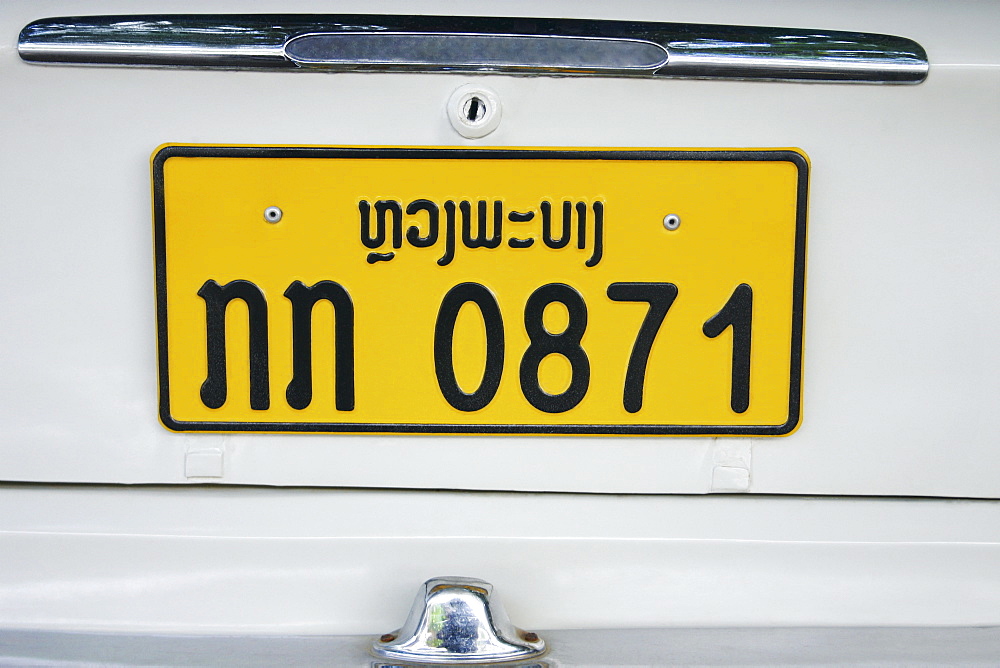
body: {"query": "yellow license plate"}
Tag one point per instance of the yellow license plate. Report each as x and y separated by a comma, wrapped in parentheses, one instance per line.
(460, 290)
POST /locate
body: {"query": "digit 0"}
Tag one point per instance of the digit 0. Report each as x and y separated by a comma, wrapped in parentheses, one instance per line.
(444, 333)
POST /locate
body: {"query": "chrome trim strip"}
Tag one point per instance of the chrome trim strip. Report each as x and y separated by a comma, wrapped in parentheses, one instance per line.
(474, 44)
(491, 52)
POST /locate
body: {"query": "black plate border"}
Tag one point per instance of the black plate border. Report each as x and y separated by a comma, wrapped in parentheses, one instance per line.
(754, 155)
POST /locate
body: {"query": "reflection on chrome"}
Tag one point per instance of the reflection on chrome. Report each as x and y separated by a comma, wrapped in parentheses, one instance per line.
(457, 620)
(513, 52)
(474, 44)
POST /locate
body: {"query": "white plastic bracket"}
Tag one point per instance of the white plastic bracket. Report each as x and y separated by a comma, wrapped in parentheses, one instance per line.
(732, 465)
(204, 462)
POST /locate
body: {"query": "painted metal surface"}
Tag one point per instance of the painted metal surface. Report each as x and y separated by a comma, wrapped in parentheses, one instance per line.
(784, 647)
(261, 561)
(901, 375)
(901, 383)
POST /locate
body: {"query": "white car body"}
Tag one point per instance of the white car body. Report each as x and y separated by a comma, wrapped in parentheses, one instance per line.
(880, 511)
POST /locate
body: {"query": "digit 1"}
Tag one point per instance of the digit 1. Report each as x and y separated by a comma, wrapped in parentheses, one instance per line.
(738, 314)
(660, 297)
(545, 343)
(444, 334)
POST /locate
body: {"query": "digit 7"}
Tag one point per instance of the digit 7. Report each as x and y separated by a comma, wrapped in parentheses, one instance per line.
(660, 297)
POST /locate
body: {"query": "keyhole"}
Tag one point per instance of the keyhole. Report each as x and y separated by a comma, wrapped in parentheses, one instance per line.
(475, 109)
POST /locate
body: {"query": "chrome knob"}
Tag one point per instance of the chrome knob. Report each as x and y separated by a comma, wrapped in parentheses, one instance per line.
(457, 620)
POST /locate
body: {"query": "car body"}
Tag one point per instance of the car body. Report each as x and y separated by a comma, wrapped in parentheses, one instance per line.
(880, 511)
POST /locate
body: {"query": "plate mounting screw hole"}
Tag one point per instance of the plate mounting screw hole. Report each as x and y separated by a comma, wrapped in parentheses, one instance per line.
(671, 221)
(272, 214)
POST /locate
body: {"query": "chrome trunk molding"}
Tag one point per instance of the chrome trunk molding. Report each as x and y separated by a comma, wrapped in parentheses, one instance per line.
(542, 46)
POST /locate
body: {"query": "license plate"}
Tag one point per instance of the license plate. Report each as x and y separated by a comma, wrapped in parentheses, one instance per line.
(551, 291)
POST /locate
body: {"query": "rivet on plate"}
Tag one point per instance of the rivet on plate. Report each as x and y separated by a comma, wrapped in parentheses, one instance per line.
(671, 221)
(272, 214)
